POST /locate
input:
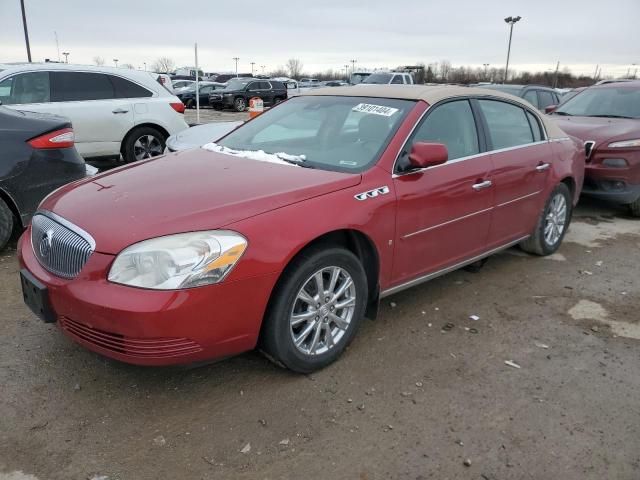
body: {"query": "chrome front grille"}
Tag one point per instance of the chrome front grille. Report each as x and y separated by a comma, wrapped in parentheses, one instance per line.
(61, 247)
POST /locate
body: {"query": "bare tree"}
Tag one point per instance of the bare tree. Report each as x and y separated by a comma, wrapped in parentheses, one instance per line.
(128, 65)
(295, 67)
(163, 65)
(99, 61)
(445, 69)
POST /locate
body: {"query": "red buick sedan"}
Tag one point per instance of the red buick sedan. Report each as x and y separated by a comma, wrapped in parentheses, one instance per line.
(287, 232)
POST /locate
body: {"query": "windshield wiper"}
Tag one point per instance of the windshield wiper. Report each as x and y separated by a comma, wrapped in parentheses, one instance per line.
(608, 116)
(290, 159)
(562, 113)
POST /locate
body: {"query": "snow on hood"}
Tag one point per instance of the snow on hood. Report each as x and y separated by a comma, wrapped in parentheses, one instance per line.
(260, 155)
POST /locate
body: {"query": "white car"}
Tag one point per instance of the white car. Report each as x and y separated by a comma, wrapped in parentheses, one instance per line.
(388, 78)
(114, 111)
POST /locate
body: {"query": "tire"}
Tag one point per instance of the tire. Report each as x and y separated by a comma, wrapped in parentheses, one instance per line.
(330, 340)
(277, 100)
(6, 224)
(635, 208)
(132, 151)
(240, 104)
(539, 243)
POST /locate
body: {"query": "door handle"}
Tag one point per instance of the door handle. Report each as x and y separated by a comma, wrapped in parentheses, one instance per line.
(482, 185)
(543, 166)
(120, 110)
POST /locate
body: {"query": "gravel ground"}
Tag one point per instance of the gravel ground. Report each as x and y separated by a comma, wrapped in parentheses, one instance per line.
(410, 398)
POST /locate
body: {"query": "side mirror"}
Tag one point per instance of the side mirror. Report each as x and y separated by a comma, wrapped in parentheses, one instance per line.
(550, 108)
(424, 155)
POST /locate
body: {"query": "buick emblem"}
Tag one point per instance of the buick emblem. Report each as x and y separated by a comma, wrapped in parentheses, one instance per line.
(46, 243)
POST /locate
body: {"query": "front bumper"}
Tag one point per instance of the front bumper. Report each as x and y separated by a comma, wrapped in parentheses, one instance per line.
(617, 185)
(150, 327)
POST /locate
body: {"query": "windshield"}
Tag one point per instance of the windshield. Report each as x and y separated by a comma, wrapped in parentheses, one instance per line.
(378, 78)
(604, 102)
(346, 134)
(237, 84)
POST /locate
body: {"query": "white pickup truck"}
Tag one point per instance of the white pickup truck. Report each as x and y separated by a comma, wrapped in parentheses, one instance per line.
(388, 78)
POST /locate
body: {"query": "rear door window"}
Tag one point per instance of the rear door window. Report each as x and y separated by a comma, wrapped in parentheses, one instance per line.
(126, 89)
(508, 124)
(25, 88)
(531, 97)
(545, 99)
(80, 86)
(397, 79)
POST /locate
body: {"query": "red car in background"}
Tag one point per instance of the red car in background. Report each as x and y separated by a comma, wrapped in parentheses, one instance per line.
(607, 119)
(289, 230)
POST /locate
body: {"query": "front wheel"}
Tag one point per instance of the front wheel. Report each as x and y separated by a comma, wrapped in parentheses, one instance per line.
(552, 224)
(240, 104)
(316, 309)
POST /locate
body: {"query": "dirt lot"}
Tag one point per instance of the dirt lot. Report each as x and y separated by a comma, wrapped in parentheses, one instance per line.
(408, 399)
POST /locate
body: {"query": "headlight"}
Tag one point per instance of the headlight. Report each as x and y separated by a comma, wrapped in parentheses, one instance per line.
(625, 144)
(228, 94)
(179, 261)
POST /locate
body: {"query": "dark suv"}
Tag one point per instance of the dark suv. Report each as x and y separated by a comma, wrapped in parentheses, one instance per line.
(239, 91)
(537, 95)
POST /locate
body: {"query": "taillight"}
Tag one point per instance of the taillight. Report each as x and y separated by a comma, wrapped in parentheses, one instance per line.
(178, 106)
(62, 138)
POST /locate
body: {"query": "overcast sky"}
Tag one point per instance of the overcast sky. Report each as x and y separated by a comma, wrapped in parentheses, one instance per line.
(327, 34)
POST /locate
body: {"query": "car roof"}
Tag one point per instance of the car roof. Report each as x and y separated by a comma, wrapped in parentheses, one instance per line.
(432, 95)
(54, 66)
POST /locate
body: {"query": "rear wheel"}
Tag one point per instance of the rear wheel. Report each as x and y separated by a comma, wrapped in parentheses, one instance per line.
(240, 104)
(316, 309)
(552, 224)
(143, 143)
(635, 208)
(6, 224)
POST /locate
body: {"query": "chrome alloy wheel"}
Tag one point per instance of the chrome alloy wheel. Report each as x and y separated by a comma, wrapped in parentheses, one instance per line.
(556, 219)
(322, 310)
(147, 146)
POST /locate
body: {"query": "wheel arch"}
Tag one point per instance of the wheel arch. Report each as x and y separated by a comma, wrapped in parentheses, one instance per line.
(358, 243)
(13, 206)
(570, 182)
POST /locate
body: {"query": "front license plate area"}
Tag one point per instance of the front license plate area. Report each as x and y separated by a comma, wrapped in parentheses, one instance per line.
(36, 297)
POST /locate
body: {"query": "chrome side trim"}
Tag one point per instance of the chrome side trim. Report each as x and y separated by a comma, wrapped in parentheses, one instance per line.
(560, 139)
(447, 223)
(372, 193)
(66, 223)
(444, 271)
(518, 199)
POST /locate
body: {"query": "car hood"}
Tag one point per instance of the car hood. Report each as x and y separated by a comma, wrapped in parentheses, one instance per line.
(599, 129)
(182, 192)
(200, 134)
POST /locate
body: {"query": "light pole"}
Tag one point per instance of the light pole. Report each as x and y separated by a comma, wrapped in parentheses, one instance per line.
(236, 59)
(262, 67)
(115, 60)
(252, 64)
(66, 57)
(353, 63)
(511, 21)
(346, 72)
(486, 68)
(26, 32)
(145, 66)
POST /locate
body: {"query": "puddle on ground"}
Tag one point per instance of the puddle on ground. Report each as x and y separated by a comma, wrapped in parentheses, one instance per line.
(588, 310)
(591, 235)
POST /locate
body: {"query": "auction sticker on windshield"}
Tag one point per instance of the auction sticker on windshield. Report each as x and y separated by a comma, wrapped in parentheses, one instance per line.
(375, 109)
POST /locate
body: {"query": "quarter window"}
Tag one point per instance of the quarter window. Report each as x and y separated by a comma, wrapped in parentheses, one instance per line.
(452, 124)
(126, 89)
(397, 79)
(79, 86)
(25, 88)
(508, 124)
